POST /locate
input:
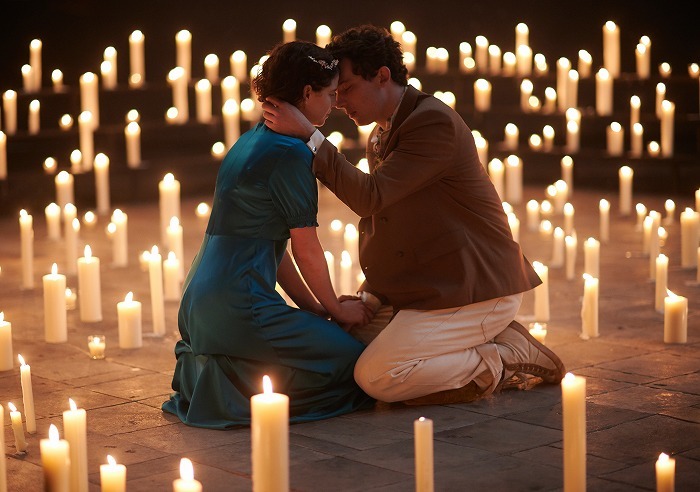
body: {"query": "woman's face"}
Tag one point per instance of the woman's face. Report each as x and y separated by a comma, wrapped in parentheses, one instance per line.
(317, 105)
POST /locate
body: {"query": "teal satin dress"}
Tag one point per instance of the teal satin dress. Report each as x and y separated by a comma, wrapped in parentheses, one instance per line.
(235, 327)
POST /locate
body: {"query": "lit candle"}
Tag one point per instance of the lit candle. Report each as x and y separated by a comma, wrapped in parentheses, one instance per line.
(603, 93)
(71, 297)
(585, 61)
(120, 253)
(5, 343)
(239, 65)
(76, 162)
(562, 82)
(203, 97)
(96, 346)
(557, 260)
(642, 56)
(289, 30)
(89, 98)
(183, 42)
(177, 78)
(169, 203)
(64, 189)
(611, 48)
(351, 239)
(55, 319)
(232, 122)
(523, 61)
(112, 476)
(589, 309)
(541, 293)
(175, 244)
(186, 482)
(137, 64)
(538, 331)
(522, 34)
(34, 117)
(86, 127)
(625, 175)
(514, 225)
(496, 173)
(465, 51)
(74, 430)
(270, 439)
(171, 277)
(494, 60)
(654, 245)
(675, 318)
(27, 395)
(604, 208)
(71, 232)
(3, 156)
(665, 473)
(508, 69)
(591, 257)
(513, 179)
(423, 449)
(572, 137)
(545, 229)
(547, 138)
(573, 389)
(211, 68)
(660, 98)
(511, 135)
(108, 70)
(665, 70)
(670, 207)
(615, 139)
(661, 282)
(89, 287)
(155, 277)
(346, 264)
(17, 429)
(690, 232)
(481, 54)
(668, 110)
(55, 462)
(132, 135)
(568, 218)
(482, 95)
(9, 105)
(3, 464)
(101, 167)
(570, 243)
(637, 140)
(533, 215)
(129, 322)
(323, 35)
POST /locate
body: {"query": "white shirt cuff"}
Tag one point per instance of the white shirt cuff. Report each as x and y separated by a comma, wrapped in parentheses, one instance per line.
(315, 141)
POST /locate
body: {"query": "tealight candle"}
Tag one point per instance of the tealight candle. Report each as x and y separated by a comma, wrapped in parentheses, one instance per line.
(71, 297)
(270, 439)
(17, 428)
(6, 356)
(55, 318)
(186, 482)
(75, 431)
(89, 287)
(112, 476)
(423, 449)
(573, 404)
(96, 346)
(675, 318)
(27, 395)
(538, 331)
(55, 461)
(665, 473)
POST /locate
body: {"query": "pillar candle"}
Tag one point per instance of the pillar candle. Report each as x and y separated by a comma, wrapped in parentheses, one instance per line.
(89, 287)
(17, 429)
(572, 89)
(533, 215)
(585, 61)
(570, 243)
(171, 278)
(211, 68)
(522, 34)
(675, 318)
(137, 63)
(323, 35)
(573, 389)
(203, 99)
(523, 61)
(269, 425)
(546, 230)
(232, 122)
(494, 60)
(615, 139)
(108, 71)
(661, 282)
(482, 95)
(55, 320)
(239, 65)
(34, 120)
(132, 136)
(542, 293)
(563, 67)
(604, 209)
(465, 52)
(547, 138)
(482, 148)
(496, 173)
(129, 322)
(558, 249)
(26, 226)
(511, 135)
(27, 395)
(3, 461)
(155, 276)
(423, 452)
(642, 56)
(101, 169)
(120, 251)
(670, 207)
(346, 282)
(71, 233)
(637, 140)
(53, 221)
(6, 356)
(177, 78)
(112, 476)
(603, 93)
(89, 98)
(186, 482)
(611, 48)
(665, 468)
(660, 96)
(589, 309)
(176, 245)
(75, 431)
(591, 257)
(183, 44)
(572, 137)
(513, 180)
(568, 218)
(481, 55)
(87, 139)
(625, 175)
(526, 88)
(508, 68)
(635, 105)
(668, 110)
(9, 105)
(169, 203)
(64, 189)
(55, 462)
(3, 155)
(690, 231)
(57, 79)
(289, 30)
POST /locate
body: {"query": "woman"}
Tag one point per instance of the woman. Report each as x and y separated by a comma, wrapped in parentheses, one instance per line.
(235, 327)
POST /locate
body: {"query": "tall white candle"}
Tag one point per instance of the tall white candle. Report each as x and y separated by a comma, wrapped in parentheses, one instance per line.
(625, 175)
(9, 105)
(513, 180)
(132, 136)
(661, 282)
(55, 462)
(239, 66)
(75, 431)
(690, 232)
(660, 97)
(211, 68)
(183, 42)
(637, 140)
(176, 244)
(541, 293)
(665, 468)
(34, 120)
(232, 122)
(169, 203)
(102, 183)
(603, 93)
(289, 30)
(523, 61)
(558, 249)
(270, 439)
(323, 35)
(6, 356)
(86, 127)
(568, 218)
(611, 48)
(89, 98)
(120, 252)
(668, 110)
(604, 210)
(26, 226)
(573, 404)
(526, 88)
(591, 256)
(137, 61)
(481, 53)
(482, 95)
(55, 320)
(203, 97)
(533, 215)
(177, 78)
(155, 277)
(129, 322)
(562, 82)
(64, 189)
(675, 318)
(570, 244)
(89, 287)
(186, 482)
(112, 476)
(423, 452)
(615, 139)
(53, 221)
(642, 56)
(171, 277)
(17, 429)
(589, 309)
(670, 207)
(496, 173)
(27, 394)
(511, 135)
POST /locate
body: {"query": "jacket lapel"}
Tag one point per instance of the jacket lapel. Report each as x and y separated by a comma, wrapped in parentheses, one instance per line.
(406, 107)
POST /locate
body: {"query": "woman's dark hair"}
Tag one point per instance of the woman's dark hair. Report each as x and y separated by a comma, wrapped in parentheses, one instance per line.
(292, 66)
(369, 48)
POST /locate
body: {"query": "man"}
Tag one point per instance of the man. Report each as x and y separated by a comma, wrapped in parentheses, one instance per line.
(435, 246)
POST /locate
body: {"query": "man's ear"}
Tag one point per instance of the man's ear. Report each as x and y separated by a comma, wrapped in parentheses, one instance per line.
(384, 75)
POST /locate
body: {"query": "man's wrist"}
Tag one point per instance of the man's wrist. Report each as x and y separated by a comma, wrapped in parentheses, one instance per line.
(315, 141)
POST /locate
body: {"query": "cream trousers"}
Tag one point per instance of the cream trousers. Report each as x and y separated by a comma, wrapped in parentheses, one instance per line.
(422, 352)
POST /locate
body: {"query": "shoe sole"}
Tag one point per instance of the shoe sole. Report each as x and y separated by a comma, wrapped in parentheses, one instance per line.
(547, 352)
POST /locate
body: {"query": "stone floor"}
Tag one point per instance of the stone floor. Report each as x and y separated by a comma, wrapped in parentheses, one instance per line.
(643, 396)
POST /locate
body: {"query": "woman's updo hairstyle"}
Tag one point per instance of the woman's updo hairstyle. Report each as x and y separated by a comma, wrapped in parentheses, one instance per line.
(292, 66)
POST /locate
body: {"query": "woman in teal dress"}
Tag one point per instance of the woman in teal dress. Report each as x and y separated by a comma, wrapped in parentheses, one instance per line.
(235, 326)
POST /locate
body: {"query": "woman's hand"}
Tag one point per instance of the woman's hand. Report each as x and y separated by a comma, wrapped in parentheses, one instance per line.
(352, 314)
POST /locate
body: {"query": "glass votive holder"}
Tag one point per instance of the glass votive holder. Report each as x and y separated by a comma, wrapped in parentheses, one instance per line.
(538, 331)
(96, 345)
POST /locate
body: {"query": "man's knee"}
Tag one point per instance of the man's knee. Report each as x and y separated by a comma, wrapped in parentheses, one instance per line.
(375, 386)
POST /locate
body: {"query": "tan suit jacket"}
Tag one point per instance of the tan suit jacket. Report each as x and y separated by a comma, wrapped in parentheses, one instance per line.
(433, 233)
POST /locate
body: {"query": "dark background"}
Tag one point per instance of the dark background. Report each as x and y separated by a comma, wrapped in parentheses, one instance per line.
(76, 32)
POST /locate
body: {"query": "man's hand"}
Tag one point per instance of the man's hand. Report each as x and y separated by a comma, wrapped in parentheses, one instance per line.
(353, 314)
(284, 118)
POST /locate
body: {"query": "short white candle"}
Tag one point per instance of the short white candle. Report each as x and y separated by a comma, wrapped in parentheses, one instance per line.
(323, 35)
(55, 461)
(665, 468)
(137, 64)
(568, 218)
(155, 276)
(203, 98)
(615, 139)
(558, 249)
(289, 30)
(186, 482)
(497, 174)
(541, 293)
(465, 51)
(690, 232)
(661, 283)
(89, 287)
(27, 394)
(570, 244)
(572, 137)
(625, 175)
(112, 476)
(589, 309)
(34, 120)
(573, 404)
(637, 140)
(611, 48)
(670, 207)
(675, 318)
(211, 68)
(129, 323)
(585, 61)
(132, 136)
(17, 429)
(547, 138)
(494, 60)
(513, 179)
(53, 221)
(660, 97)
(526, 88)
(423, 449)
(6, 356)
(183, 44)
(176, 244)
(9, 105)
(55, 319)
(169, 203)
(604, 209)
(603, 93)
(75, 432)
(270, 439)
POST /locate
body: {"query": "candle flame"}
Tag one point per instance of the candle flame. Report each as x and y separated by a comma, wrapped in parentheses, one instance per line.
(422, 419)
(22, 213)
(88, 251)
(21, 360)
(53, 433)
(72, 404)
(168, 178)
(54, 269)
(670, 294)
(111, 460)
(663, 457)
(186, 469)
(154, 250)
(587, 276)
(129, 297)
(267, 385)
(336, 225)
(2, 316)
(12, 407)
(569, 377)
(174, 221)
(171, 256)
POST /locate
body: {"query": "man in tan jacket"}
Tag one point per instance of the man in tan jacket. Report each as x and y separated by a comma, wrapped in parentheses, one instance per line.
(442, 270)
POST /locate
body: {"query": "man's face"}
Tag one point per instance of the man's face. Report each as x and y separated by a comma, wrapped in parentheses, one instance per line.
(358, 97)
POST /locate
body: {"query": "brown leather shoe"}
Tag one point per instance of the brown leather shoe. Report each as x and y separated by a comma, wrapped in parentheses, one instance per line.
(521, 352)
(468, 393)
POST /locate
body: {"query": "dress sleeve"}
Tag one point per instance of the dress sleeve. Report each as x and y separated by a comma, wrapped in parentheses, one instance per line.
(293, 188)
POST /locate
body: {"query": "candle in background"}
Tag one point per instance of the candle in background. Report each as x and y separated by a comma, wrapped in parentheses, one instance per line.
(665, 468)
(26, 227)
(526, 88)
(635, 105)
(668, 110)
(570, 244)
(176, 245)
(625, 175)
(513, 179)
(6, 356)
(589, 309)
(17, 429)
(71, 297)
(171, 277)
(423, 452)
(572, 89)
(637, 140)
(346, 282)
(132, 136)
(9, 105)
(465, 52)
(670, 207)
(129, 322)
(112, 476)
(55, 462)
(523, 61)
(563, 67)
(155, 277)
(661, 282)
(604, 209)
(34, 120)
(89, 287)
(533, 215)
(690, 232)
(289, 30)
(211, 68)
(169, 203)
(232, 122)
(573, 402)
(330, 264)
(641, 214)
(675, 318)
(203, 98)
(585, 61)
(351, 241)
(568, 219)
(591, 256)
(64, 189)
(53, 221)
(558, 249)
(101, 168)
(514, 224)
(547, 138)
(510, 138)
(542, 293)
(522, 34)
(481, 53)
(660, 93)
(137, 64)
(615, 139)
(27, 395)
(76, 162)
(177, 78)
(323, 35)
(89, 98)
(239, 66)
(642, 56)
(611, 48)
(86, 128)
(496, 173)
(75, 432)
(654, 245)
(120, 251)
(186, 482)
(183, 43)
(269, 426)
(96, 346)
(538, 331)
(3, 462)
(71, 233)
(55, 319)
(603, 93)
(3, 156)
(57, 80)
(494, 60)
